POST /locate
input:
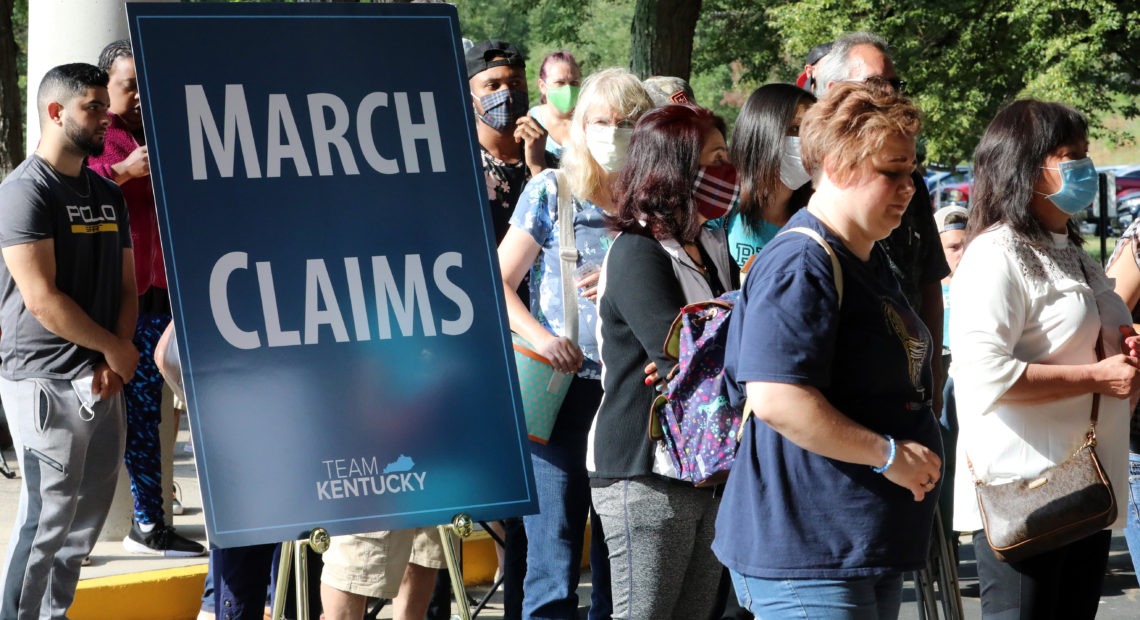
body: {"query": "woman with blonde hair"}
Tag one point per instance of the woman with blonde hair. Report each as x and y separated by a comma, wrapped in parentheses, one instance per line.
(610, 103)
(833, 491)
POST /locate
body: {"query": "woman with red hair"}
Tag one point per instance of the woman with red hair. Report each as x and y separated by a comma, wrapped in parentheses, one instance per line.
(658, 529)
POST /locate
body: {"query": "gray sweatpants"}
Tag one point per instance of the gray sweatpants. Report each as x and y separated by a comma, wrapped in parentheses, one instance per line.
(660, 540)
(69, 461)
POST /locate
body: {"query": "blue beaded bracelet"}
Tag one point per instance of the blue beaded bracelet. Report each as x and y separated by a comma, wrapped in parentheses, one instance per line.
(890, 457)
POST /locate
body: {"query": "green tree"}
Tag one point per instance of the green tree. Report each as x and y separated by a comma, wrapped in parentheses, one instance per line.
(735, 50)
(962, 60)
(966, 59)
(13, 61)
(596, 32)
(661, 37)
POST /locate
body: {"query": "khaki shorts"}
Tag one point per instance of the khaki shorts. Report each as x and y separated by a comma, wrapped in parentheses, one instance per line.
(373, 564)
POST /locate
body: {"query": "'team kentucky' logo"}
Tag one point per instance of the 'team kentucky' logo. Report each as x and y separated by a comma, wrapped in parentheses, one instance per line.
(356, 477)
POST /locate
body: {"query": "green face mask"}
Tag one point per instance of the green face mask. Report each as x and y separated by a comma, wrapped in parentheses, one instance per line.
(564, 97)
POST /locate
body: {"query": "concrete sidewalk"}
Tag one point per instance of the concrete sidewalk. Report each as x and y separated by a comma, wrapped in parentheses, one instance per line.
(119, 584)
(123, 586)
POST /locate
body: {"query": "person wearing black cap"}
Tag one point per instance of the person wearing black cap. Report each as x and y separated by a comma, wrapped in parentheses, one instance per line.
(513, 145)
(806, 80)
(513, 149)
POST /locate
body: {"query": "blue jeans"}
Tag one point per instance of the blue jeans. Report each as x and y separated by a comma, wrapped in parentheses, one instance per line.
(241, 576)
(555, 534)
(1132, 530)
(859, 598)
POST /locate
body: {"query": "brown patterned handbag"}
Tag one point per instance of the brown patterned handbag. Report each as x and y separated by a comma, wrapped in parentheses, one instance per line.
(1063, 504)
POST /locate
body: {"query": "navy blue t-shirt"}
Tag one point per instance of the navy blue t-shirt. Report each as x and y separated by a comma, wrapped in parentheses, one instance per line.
(791, 513)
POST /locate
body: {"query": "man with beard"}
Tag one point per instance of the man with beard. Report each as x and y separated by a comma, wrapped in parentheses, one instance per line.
(67, 314)
(124, 160)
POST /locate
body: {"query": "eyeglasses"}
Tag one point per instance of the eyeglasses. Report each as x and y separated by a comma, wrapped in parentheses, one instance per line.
(898, 85)
(624, 123)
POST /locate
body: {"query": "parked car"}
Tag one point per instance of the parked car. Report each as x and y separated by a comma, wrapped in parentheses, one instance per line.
(1127, 206)
(1127, 201)
(950, 186)
(957, 194)
(1127, 179)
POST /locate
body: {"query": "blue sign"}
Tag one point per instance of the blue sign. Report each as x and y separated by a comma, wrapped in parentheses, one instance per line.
(332, 267)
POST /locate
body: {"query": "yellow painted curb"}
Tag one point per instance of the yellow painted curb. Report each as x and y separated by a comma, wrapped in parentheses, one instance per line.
(169, 594)
(480, 560)
(176, 593)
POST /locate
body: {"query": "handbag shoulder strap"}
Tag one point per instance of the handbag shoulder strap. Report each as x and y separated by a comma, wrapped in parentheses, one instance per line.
(568, 256)
(1099, 348)
(1094, 414)
(836, 269)
(836, 275)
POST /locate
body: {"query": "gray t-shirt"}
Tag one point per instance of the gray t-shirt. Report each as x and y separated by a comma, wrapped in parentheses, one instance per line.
(87, 218)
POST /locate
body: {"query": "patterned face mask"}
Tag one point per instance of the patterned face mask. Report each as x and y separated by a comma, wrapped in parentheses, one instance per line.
(715, 189)
(502, 108)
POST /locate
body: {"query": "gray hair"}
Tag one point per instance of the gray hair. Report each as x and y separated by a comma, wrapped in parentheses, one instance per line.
(834, 66)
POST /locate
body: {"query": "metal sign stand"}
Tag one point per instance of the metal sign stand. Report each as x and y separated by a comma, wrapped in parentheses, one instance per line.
(462, 526)
(941, 569)
(294, 551)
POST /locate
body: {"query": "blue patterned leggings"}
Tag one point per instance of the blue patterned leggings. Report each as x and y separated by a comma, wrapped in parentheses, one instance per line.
(144, 412)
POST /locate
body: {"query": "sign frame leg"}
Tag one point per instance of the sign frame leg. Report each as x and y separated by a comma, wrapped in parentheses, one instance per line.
(462, 526)
(296, 551)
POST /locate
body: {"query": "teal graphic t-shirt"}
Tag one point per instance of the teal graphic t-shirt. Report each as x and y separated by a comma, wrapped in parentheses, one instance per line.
(744, 241)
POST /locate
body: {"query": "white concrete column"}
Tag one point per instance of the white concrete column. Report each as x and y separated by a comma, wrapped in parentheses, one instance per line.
(61, 32)
(122, 508)
(64, 31)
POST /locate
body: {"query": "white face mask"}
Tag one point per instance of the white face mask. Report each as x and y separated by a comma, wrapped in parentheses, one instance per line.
(608, 145)
(792, 173)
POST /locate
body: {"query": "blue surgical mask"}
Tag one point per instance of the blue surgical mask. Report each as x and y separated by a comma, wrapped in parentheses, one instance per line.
(1078, 185)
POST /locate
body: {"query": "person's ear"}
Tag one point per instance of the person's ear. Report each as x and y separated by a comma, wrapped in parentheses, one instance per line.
(55, 112)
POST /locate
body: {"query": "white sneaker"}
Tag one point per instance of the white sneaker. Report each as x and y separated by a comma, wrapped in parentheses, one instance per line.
(175, 504)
